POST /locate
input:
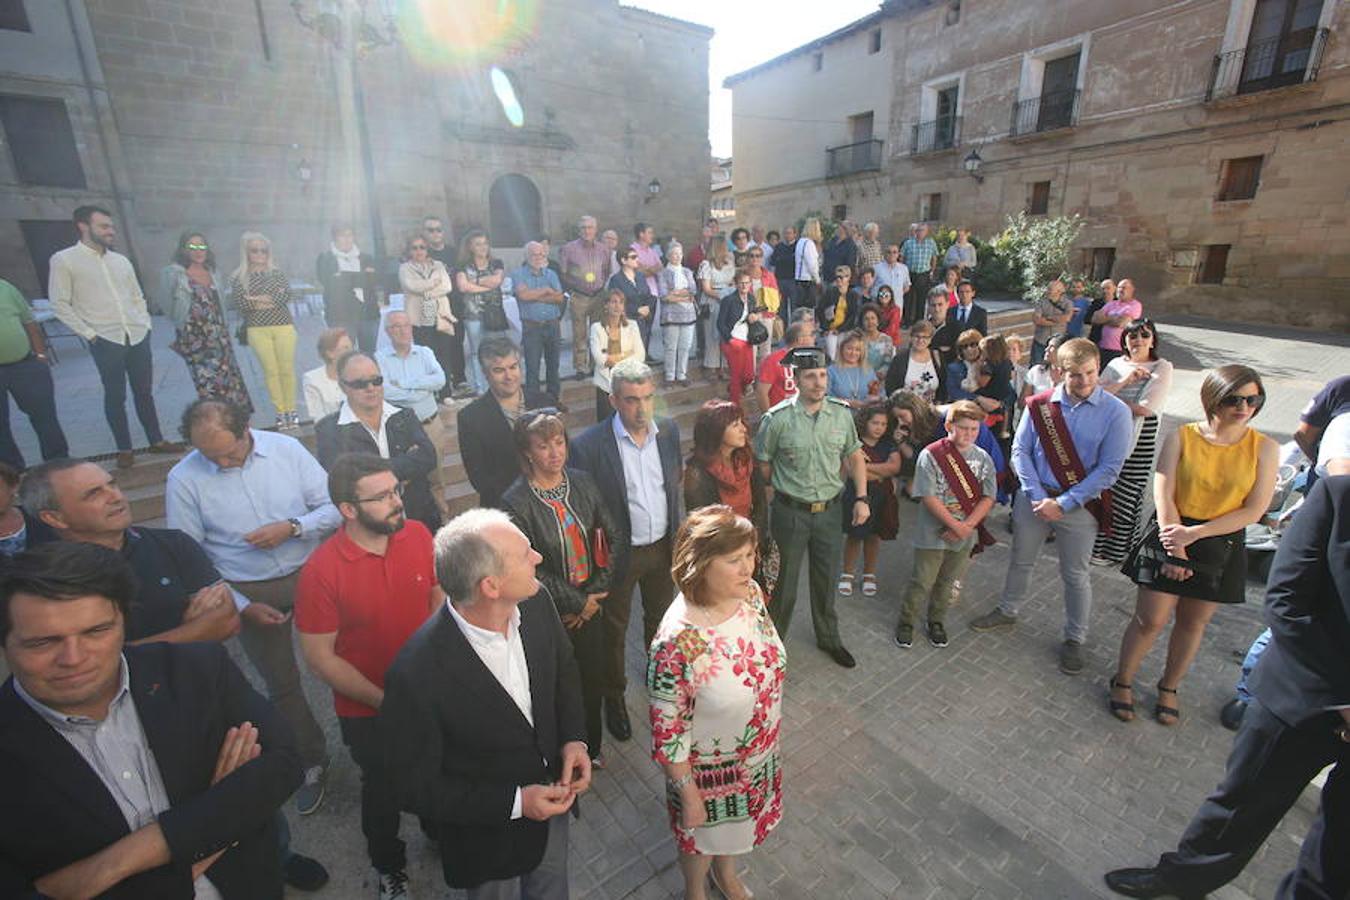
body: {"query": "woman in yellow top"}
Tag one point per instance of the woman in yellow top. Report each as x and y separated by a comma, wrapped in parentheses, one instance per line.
(1214, 478)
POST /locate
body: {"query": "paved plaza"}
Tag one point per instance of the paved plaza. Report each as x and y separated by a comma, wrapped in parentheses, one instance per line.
(976, 771)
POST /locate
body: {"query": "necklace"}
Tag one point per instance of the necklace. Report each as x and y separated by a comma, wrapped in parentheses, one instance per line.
(556, 493)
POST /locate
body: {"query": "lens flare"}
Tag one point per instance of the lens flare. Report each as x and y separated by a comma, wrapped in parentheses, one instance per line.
(506, 96)
(446, 34)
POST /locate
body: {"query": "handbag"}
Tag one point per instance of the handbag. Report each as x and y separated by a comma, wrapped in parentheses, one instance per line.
(444, 317)
(756, 332)
(493, 315)
(1208, 563)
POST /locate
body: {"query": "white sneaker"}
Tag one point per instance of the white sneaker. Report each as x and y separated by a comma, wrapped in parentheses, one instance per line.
(394, 885)
(310, 793)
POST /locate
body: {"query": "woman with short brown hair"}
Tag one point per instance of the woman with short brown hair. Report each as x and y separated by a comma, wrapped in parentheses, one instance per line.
(721, 757)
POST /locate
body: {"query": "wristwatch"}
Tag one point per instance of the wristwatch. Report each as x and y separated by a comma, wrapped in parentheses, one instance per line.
(296, 528)
(862, 500)
(679, 783)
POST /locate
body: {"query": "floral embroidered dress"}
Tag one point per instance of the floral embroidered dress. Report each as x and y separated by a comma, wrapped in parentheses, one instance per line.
(716, 696)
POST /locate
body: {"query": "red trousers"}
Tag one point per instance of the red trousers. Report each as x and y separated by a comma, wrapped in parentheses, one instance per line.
(740, 356)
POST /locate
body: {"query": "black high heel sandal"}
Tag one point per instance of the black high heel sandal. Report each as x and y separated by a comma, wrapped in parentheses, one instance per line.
(1120, 709)
(1159, 710)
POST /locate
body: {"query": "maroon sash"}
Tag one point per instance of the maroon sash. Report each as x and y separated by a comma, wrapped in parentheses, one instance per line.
(963, 484)
(1062, 455)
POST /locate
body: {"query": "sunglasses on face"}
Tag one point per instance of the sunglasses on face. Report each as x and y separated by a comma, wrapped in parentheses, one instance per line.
(197, 247)
(383, 496)
(361, 384)
(966, 346)
(627, 256)
(1233, 401)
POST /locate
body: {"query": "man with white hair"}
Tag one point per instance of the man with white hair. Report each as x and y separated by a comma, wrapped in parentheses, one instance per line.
(869, 246)
(494, 771)
(541, 298)
(586, 267)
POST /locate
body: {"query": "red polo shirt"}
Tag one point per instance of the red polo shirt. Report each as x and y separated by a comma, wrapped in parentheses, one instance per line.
(374, 603)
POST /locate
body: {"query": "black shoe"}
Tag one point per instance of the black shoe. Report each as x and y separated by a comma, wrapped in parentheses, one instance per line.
(841, 656)
(1231, 714)
(1141, 883)
(303, 873)
(616, 717)
(937, 635)
(904, 636)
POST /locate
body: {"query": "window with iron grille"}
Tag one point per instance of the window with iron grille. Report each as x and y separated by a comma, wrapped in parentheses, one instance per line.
(1239, 178)
(1039, 204)
(930, 207)
(41, 141)
(839, 212)
(1214, 264)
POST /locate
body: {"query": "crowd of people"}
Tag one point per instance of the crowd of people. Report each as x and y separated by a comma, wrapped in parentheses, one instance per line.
(475, 664)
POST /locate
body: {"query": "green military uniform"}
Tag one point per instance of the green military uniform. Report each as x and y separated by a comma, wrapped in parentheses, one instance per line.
(806, 452)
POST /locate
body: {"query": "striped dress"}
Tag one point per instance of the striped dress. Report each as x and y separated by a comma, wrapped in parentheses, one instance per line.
(1132, 497)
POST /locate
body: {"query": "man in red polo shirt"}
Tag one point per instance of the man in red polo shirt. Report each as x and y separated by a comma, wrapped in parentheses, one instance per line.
(361, 595)
(775, 382)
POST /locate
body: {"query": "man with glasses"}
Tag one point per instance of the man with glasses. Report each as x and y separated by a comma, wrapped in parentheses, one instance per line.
(540, 296)
(585, 272)
(361, 596)
(94, 292)
(257, 502)
(367, 423)
(893, 273)
(439, 248)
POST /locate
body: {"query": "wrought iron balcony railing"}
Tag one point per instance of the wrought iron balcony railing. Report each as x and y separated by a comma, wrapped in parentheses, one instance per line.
(863, 156)
(943, 133)
(1265, 65)
(1051, 110)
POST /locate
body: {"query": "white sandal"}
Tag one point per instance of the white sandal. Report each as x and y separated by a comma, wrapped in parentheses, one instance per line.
(845, 586)
(869, 585)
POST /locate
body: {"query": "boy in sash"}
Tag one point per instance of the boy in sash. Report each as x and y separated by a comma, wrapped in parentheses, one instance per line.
(1068, 450)
(955, 482)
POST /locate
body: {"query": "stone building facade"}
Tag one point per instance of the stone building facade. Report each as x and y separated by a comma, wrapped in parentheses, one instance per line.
(229, 115)
(1201, 140)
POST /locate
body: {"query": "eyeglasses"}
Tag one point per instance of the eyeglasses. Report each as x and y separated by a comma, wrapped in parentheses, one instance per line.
(1253, 401)
(967, 346)
(419, 246)
(360, 384)
(257, 249)
(197, 247)
(436, 228)
(841, 278)
(756, 255)
(929, 337)
(629, 256)
(383, 496)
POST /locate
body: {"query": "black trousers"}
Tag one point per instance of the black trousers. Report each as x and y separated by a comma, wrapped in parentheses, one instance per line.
(1268, 768)
(118, 364)
(648, 570)
(588, 646)
(379, 808)
(916, 301)
(442, 346)
(30, 382)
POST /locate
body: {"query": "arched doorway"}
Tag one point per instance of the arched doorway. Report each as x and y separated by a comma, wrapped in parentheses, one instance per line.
(514, 211)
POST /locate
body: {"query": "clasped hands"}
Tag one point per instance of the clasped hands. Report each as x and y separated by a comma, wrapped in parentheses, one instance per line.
(542, 802)
(1175, 539)
(573, 621)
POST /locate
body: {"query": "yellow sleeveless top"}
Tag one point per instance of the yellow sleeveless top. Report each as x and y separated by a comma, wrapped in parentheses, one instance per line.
(1213, 480)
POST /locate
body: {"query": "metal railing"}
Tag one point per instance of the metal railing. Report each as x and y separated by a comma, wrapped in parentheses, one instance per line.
(863, 156)
(1055, 109)
(943, 133)
(1266, 65)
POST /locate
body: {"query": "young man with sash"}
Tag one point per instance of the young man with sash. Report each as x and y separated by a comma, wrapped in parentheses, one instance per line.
(1068, 450)
(955, 482)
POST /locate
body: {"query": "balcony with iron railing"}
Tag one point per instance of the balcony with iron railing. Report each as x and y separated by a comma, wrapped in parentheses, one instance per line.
(849, 159)
(1266, 65)
(1048, 112)
(943, 133)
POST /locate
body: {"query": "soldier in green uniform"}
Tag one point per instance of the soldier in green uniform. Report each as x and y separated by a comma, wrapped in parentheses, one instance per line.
(802, 445)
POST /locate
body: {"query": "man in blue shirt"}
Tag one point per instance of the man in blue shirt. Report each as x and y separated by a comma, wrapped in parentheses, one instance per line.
(1101, 429)
(540, 297)
(257, 502)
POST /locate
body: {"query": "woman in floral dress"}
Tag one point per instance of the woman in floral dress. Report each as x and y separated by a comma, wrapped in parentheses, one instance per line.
(715, 682)
(192, 292)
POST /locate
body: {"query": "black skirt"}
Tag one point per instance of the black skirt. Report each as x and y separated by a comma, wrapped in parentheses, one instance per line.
(1221, 566)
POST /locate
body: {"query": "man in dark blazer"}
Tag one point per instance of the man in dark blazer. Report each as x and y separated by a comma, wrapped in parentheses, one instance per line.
(641, 486)
(1298, 724)
(128, 771)
(967, 313)
(484, 426)
(401, 438)
(482, 717)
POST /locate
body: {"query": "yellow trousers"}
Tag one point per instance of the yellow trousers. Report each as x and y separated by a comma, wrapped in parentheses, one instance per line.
(274, 346)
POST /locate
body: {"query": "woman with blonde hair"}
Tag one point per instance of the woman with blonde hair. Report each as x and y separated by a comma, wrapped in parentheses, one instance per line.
(806, 256)
(715, 684)
(613, 339)
(1214, 478)
(716, 279)
(323, 391)
(426, 288)
(262, 292)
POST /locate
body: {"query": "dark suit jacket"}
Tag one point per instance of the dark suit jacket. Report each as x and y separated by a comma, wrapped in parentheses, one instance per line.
(1306, 667)
(487, 447)
(411, 454)
(978, 319)
(458, 747)
(895, 375)
(596, 451)
(341, 309)
(187, 696)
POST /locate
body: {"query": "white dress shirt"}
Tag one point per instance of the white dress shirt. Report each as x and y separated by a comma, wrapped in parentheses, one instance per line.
(96, 295)
(504, 657)
(346, 417)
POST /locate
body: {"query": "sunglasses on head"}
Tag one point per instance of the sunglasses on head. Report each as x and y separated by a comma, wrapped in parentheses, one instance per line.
(531, 415)
(1233, 401)
(360, 384)
(197, 247)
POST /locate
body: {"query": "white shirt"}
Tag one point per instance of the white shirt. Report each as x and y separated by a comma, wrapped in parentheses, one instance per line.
(504, 657)
(97, 295)
(1335, 443)
(896, 276)
(323, 395)
(346, 417)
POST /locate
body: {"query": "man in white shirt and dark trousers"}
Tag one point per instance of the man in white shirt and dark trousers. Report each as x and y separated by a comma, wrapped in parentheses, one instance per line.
(482, 717)
(94, 293)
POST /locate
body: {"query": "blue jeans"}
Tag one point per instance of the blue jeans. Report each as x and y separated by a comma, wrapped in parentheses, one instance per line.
(678, 340)
(1249, 663)
(473, 372)
(541, 339)
(118, 364)
(30, 381)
